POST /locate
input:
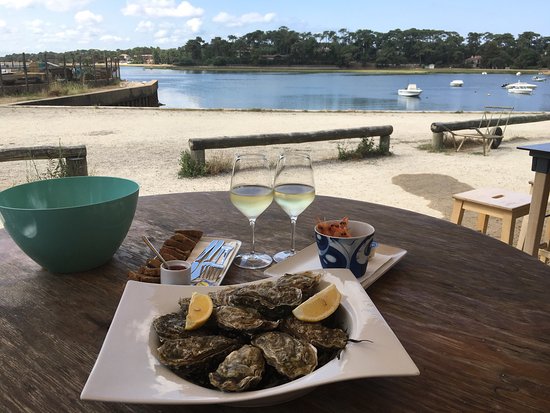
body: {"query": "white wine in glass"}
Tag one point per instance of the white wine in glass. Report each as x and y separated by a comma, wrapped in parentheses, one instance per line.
(294, 191)
(251, 193)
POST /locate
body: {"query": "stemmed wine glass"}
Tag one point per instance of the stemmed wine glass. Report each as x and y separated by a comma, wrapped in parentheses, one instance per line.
(294, 191)
(252, 193)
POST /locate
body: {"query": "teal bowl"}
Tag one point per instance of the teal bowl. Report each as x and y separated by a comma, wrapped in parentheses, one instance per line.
(70, 224)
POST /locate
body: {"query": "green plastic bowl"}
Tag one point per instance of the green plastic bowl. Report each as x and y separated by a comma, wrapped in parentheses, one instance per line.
(70, 224)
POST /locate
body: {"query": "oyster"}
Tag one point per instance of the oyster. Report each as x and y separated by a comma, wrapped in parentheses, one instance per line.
(320, 336)
(221, 297)
(192, 354)
(184, 304)
(243, 319)
(172, 326)
(305, 281)
(273, 301)
(241, 370)
(290, 357)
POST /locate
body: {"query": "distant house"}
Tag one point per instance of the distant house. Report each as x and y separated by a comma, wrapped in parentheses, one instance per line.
(473, 61)
(148, 59)
(125, 58)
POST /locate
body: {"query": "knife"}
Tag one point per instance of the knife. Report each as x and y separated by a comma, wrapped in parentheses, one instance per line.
(202, 255)
(198, 263)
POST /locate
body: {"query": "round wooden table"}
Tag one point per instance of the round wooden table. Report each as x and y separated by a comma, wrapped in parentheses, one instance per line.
(472, 312)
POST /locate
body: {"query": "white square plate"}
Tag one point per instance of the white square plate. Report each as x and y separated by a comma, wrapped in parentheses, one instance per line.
(308, 259)
(127, 369)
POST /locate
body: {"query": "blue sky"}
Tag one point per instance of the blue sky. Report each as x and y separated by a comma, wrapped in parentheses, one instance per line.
(63, 25)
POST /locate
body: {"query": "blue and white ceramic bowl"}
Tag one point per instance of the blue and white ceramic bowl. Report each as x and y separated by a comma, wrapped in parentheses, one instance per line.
(350, 252)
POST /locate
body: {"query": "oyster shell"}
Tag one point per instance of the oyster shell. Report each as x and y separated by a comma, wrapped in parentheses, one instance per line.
(241, 370)
(190, 354)
(243, 319)
(221, 297)
(290, 357)
(320, 336)
(305, 281)
(172, 326)
(271, 300)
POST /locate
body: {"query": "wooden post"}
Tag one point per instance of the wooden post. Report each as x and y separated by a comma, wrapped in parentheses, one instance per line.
(1, 81)
(46, 68)
(106, 66)
(198, 156)
(80, 66)
(93, 67)
(25, 71)
(77, 166)
(385, 144)
(437, 141)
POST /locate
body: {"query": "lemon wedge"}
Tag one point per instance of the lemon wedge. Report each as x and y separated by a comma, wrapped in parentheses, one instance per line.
(200, 310)
(319, 306)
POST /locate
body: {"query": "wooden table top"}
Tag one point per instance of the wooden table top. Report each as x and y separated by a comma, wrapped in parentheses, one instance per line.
(472, 312)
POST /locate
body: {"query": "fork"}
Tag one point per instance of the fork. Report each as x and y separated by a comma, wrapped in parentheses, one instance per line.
(213, 269)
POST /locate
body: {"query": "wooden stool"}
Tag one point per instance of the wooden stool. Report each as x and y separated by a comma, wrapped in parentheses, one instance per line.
(499, 203)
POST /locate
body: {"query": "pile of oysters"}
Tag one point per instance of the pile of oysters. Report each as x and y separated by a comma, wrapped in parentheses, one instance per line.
(252, 340)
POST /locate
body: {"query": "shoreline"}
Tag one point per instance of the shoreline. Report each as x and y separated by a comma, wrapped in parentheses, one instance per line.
(145, 144)
(335, 69)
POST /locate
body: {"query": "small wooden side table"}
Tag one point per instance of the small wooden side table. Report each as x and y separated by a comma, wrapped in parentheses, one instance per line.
(541, 189)
(494, 202)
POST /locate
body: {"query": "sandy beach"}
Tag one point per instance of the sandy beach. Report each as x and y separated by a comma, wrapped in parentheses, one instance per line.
(145, 144)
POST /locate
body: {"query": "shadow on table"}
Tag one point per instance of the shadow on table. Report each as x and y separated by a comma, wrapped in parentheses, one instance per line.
(436, 188)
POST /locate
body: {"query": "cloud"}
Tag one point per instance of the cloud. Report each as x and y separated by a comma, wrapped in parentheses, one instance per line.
(36, 26)
(145, 26)
(112, 38)
(160, 8)
(194, 24)
(86, 17)
(16, 4)
(54, 5)
(3, 24)
(161, 34)
(237, 21)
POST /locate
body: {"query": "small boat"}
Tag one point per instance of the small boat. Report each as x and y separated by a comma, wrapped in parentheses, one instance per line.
(520, 84)
(483, 73)
(456, 83)
(411, 91)
(521, 90)
(538, 79)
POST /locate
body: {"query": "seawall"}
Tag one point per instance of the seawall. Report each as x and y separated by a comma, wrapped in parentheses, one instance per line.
(141, 95)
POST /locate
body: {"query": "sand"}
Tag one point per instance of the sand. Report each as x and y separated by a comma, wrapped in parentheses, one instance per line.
(145, 144)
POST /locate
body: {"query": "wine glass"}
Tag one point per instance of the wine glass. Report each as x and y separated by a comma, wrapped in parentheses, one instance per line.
(251, 193)
(294, 191)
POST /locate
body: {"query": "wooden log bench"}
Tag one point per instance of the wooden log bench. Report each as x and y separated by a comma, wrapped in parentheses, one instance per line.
(75, 156)
(198, 146)
(438, 128)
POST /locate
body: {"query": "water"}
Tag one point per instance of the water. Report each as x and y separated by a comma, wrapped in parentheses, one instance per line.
(336, 91)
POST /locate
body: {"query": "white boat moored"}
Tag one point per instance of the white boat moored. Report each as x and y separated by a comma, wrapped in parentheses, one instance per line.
(521, 84)
(411, 91)
(521, 90)
(538, 79)
(456, 83)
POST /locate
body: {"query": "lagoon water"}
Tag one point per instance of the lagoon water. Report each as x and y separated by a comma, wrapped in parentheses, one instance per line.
(336, 91)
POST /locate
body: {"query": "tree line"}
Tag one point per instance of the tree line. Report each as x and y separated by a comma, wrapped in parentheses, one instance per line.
(362, 48)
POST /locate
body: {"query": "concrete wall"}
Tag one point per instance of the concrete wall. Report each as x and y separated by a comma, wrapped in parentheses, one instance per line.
(144, 95)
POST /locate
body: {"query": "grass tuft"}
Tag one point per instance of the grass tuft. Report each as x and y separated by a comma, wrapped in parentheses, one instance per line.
(365, 149)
